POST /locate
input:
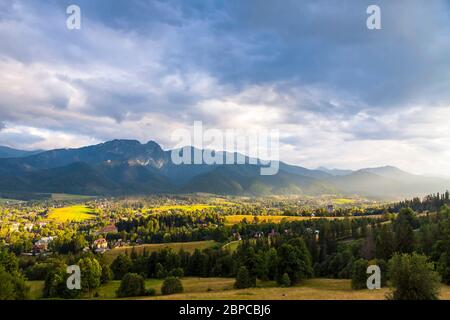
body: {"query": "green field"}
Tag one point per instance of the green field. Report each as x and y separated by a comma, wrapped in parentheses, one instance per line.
(222, 289)
(232, 246)
(72, 213)
(36, 289)
(69, 197)
(177, 246)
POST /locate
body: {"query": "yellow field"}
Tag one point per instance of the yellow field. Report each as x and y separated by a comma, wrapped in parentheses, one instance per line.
(250, 218)
(234, 219)
(187, 208)
(343, 201)
(72, 213)
(176, 246)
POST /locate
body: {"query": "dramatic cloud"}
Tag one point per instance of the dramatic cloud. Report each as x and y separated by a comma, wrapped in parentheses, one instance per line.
(340, 94)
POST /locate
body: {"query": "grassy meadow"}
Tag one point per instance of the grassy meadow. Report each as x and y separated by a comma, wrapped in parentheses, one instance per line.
(70, 197)
(222, 289)
(232, 246)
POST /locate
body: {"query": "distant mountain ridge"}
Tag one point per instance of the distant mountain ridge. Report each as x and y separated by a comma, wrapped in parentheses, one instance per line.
(127, 167)
(7, 152)
(335, 172)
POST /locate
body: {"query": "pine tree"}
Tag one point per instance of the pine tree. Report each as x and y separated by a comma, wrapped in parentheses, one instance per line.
(243, 279)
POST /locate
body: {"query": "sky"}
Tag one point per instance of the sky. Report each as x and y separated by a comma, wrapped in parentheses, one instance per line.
(340, 95)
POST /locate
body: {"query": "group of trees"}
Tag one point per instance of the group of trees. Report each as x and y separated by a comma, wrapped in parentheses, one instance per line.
(264, 259)
(432, 203)
(178, 226)
(408, 233)
(93, 274)
(12, 282)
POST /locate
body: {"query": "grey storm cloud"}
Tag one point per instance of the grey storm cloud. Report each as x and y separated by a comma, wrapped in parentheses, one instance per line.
(322, 43)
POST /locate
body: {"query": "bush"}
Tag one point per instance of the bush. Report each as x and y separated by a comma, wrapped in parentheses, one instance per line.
(359, 274)
(160, 272)
(39, 271)
(384, 271)
(413, 278)
(55, 285)
(132, 285)
(107, 274)
(12, 286)
(177, 272)
(150, 292)
(285, 280)
(443, 267)
(171, 285)
(243, 279)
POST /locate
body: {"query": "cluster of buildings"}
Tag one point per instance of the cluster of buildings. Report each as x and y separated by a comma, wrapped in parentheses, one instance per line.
(41, 246)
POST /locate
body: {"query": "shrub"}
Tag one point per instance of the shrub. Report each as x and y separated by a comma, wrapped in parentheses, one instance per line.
(132, 285)
(12, 286)
(160, 272)
(38, 271)
(177, 272)
(359, 274)
(285, 280)
(384, 271)
(443, 267)
(171, 285)
(150, 292)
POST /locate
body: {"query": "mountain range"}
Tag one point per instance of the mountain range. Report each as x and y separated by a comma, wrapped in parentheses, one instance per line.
(127, 167)
(7, 152)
